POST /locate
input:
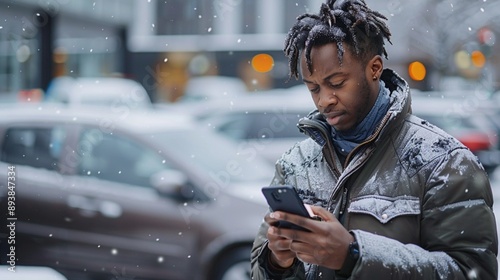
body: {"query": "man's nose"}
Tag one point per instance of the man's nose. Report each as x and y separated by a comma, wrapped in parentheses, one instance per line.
(327, 97)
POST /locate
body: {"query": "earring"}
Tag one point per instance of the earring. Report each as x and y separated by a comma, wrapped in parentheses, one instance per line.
(374, 78)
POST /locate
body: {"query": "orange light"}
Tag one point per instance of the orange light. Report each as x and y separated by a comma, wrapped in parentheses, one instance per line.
(478, 59)
(262, 63)
(417, 71)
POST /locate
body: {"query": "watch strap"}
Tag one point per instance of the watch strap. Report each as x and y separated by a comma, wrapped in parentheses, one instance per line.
(350, 260)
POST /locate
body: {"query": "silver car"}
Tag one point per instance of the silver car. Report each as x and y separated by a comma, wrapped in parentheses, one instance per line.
(264, 123)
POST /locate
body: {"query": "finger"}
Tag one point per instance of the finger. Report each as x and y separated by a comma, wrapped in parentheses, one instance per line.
(276, 242)
(324, 214)
(269, 219)
(313, 250)
(304, 257)
(273, 232)
(279, 245)
(276, 233)
(304, 222)
(300, 247)
(293, 235)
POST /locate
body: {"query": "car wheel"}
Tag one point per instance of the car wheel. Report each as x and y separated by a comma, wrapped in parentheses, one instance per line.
(234, 265)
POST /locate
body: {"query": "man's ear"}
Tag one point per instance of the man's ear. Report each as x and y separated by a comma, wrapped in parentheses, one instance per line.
(375, 67)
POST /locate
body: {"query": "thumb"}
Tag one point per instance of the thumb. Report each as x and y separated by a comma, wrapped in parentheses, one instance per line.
(324, 214)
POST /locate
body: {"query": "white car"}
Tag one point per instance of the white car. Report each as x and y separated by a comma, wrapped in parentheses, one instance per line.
(206, 88)
(264, 122)
(98, 91)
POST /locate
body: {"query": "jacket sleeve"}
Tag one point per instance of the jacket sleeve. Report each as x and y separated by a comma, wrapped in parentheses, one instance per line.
(458, 230)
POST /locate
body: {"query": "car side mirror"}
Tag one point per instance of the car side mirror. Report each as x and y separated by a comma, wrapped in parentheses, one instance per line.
(171, 183)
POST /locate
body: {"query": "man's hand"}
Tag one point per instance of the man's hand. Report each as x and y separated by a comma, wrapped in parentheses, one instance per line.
(281, 254)
(326, 244)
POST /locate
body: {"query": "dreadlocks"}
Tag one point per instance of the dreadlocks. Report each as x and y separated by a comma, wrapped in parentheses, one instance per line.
(344, 22)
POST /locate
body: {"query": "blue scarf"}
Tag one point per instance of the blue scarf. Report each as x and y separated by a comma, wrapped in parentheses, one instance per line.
(346, 141)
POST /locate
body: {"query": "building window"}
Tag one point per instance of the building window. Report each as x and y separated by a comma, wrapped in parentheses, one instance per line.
(184, 17)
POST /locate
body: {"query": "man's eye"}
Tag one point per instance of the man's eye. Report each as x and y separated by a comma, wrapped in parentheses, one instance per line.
(314, 90)
(337, 85)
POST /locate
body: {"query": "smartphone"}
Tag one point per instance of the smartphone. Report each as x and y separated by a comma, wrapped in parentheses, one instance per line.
(285, 198)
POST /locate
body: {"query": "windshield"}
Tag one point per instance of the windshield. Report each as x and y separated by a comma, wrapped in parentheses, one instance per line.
(218, 156)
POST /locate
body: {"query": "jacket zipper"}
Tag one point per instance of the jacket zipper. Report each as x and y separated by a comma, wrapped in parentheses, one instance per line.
(343, 202)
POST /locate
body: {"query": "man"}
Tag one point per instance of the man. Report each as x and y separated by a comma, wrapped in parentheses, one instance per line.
(398, 198)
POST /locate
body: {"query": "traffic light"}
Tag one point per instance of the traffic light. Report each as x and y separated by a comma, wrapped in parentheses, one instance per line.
(478, 59)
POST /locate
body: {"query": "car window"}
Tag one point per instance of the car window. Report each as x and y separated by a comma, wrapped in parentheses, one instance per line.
(274, 125)
(234, 126)
(118, 159)
(33, 146)
(261, 125)
(218, 156)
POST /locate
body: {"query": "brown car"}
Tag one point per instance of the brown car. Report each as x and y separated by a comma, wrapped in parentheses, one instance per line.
(125, 194)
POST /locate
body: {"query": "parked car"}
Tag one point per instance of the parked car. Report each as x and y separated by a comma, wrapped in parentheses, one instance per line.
(265, 122)
(111, 92)
(491, 108)
(206, 88)
(469, 124)
(141, 195)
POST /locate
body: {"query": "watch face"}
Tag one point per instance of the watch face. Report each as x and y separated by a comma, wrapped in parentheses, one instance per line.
(354, 250)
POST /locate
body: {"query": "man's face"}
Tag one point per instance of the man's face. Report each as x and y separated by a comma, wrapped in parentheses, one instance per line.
(345, 93)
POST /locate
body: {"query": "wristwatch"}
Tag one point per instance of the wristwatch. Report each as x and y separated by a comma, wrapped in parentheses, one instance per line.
(350, 260)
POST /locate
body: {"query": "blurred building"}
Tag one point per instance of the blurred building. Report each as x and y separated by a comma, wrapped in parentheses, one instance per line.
(161, 44)
(43, 39)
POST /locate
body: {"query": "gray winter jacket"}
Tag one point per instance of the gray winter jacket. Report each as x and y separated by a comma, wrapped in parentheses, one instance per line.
(418, 202)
